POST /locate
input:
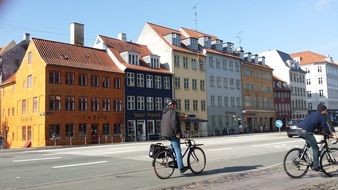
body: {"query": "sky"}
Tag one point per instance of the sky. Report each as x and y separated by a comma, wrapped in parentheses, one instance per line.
(256, 25)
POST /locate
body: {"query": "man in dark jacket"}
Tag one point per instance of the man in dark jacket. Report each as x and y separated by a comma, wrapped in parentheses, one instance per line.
(315, 121)
(171, 130)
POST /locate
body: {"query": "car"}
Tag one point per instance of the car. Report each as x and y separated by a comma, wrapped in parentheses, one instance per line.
(291, 127)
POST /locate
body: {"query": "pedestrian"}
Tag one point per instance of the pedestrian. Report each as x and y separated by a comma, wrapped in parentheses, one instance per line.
(315, 121)
(171, 130)
(240, 127)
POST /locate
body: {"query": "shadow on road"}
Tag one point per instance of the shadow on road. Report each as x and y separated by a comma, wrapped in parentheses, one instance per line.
(228, 170)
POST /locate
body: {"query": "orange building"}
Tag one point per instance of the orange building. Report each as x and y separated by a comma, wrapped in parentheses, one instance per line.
(63, 94)
(258, 103)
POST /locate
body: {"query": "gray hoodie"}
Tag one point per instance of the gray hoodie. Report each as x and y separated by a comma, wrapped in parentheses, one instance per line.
(170, 125)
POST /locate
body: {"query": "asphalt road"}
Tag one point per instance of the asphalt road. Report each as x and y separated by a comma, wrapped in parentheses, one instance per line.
(127, 166)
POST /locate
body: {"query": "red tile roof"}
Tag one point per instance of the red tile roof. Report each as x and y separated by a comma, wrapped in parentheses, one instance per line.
(308, 57)
(275, 78)
(117, 46)
(163, 31)
(10, 80)
(69, 55)
(196, 34)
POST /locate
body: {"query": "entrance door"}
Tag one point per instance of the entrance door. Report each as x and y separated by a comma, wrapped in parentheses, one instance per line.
(141, 130)
(131, 130)
(94, 133)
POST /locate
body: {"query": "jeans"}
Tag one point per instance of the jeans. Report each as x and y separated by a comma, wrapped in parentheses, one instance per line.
(176, 145)
(311, 140)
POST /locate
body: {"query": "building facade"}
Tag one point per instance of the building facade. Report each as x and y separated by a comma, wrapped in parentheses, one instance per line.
(223, 83)
(282, 100)
(147, 89)
(54, 98)
(289, 71)
(183, 58)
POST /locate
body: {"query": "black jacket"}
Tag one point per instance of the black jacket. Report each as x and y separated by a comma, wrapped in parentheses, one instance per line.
(170, 125)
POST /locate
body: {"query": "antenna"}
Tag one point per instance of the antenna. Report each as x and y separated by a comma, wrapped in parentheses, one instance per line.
(239, 38)
(195, 8)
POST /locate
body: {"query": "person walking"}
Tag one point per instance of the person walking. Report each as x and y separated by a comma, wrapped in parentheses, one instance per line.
(171, 130)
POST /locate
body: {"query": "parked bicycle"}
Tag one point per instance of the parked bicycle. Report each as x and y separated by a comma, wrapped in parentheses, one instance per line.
(298, 161)
(164, 162)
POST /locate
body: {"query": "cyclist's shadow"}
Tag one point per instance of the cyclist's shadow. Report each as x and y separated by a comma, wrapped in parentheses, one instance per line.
(227, 170)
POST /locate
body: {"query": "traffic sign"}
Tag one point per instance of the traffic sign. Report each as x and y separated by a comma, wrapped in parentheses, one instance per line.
(279, 123)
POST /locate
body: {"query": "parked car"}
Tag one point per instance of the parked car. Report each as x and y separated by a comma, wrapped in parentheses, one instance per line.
(291, 127)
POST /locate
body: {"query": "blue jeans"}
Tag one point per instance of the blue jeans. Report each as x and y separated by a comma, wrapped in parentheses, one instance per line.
(311, 140)
(176, 145)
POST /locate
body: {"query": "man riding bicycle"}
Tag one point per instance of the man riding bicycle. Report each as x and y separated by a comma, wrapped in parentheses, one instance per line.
(315, 121)
(171, 130)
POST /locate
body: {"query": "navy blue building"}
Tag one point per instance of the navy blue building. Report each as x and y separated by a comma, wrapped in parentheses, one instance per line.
(148, 86)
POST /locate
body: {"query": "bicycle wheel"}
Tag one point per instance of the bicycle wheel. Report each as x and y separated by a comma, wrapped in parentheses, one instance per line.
(294, 165)
(164, 164)
(329, 162)
(196, 160)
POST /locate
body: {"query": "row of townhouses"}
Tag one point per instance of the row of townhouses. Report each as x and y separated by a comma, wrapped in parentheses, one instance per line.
(56, 93)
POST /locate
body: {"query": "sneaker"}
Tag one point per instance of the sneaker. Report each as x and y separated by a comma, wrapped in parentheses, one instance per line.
(184, 169)
(317, 169)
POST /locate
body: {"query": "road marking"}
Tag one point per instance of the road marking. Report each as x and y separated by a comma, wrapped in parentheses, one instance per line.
(80, 164)
(36, 159)
(219, 149)
(272, 144)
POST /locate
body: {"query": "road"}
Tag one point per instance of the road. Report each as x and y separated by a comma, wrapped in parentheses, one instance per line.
(231, 161)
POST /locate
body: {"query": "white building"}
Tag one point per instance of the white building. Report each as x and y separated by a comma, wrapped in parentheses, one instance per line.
(285, 68)
(321, 79)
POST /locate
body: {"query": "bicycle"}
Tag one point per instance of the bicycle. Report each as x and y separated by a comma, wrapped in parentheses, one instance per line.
(297, 161)
(164, 162)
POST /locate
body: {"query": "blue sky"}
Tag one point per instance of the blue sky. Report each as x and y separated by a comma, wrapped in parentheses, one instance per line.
(260, 25)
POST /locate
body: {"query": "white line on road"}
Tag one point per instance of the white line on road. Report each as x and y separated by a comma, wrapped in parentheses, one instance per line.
(36, 159)
(80, 164)
(219, 149)
(272, 144)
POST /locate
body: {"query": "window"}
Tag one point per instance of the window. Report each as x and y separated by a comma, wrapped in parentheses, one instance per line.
(69, 130)
(239, 102)
(186, 83)
(232, 85)
(130, 79)
(151, 127)
(321, 93)
(105, 82)
(320, 80)
(193, 64)
(158, 82)
(54, 131)
(202, 66)
(23, 107)
(166, 82)
(95, 104)
(211, 62)
(226, 101)
(225, 64)
(70, 78)
(308, 81)
(178, 102)
(83, 103)
(54, 103)
(117, 128)
(95, 81)
(83, 80)
(82, 130)
(220, 101)
(212, 101)
(133, 59)
(185, 62)
(177, 60)
(319, 69)
(150, 103)
(177, 82)
(194, 84)
(70, 103)
(140, 103)
(231, 65)
(212, 81)
(117, 103)
(237, 66)
(140, 80)
(202, 85)
(203, 105)
(195, 105)
(131, 102)
(218, 64)
(238, 84)
(35, 105)
(29, 81)
(30, 58)
(105, 129)
(117, 83)
(106, 104)
(158, 103)
(54, 77)
(187, 105)
(219, 81)
(149, 82)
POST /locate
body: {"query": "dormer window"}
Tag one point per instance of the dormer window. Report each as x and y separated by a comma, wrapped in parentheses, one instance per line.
(207, 42)
(131, 58)
(193, 43)
(154, 63)
(152, 60)
(176, 39)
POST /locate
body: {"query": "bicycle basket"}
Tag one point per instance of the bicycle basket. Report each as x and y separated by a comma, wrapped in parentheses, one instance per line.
(155, 148)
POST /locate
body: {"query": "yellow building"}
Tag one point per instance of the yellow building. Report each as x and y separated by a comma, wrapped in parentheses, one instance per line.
(63, 94)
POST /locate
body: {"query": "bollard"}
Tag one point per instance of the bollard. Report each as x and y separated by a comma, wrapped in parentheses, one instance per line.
(85, 140)
(99, 140)
(70, 141)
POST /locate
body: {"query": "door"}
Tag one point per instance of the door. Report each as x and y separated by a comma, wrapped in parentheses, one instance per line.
(141, 130)
(94, 133)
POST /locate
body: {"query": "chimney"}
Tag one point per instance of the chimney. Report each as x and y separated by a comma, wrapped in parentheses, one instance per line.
(247, 56)
(229, 47)
(261, 60)
(122, 36)
(26, 36)
(254, 58)
(77, 34)
(240, 52)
